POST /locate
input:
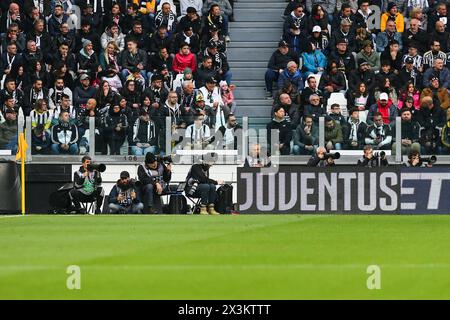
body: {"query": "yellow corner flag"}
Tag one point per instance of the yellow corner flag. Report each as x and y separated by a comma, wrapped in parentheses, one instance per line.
(22, 155)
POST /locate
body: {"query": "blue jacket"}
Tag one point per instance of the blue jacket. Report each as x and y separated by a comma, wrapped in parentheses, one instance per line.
(296, 79)
(309, 62)
(444, 77)
(382, 41)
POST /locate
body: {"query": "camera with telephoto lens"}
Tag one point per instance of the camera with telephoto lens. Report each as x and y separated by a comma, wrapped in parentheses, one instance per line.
(333, 156)
(136, 184)
(381, 155)
(430, 160)
(100, 167)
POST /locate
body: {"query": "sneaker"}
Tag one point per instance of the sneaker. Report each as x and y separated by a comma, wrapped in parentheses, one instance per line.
(227, 39)
(269, 95)
(83, 150)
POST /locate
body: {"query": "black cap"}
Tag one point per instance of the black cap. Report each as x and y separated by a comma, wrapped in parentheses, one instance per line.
(191, 10)
(162, 67)
(409, 60)
(150, 157)
(282, 43)
(211, 80)
(124, 175)
(157, 77)
(342, 40)
(434, 77)
(362, 62)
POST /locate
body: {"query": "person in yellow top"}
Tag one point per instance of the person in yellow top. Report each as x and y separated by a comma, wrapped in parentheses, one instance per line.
(393, 14)
(146, 7)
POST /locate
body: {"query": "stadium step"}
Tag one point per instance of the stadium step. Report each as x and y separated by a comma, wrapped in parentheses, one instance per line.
(255, 33)
(248, 73)
(258, 14)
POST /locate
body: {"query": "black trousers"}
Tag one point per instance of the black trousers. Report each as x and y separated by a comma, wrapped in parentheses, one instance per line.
(77, 197)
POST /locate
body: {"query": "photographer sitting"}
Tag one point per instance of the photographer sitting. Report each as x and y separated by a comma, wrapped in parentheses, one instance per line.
(372, 160)
(322, 158)
(199, 185)
(87, 188)
(124, 196)
(416, 161)
(155, 177)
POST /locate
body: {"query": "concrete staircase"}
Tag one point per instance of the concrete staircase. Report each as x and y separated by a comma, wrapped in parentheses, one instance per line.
(254, 37)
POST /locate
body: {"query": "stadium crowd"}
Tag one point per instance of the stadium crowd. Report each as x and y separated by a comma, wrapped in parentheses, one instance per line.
(130, 64)
(133, 63)
(336, 61)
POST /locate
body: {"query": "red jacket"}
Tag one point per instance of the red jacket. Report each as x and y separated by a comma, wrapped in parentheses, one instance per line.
(181, 62)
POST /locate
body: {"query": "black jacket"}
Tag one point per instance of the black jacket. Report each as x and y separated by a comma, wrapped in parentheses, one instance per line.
(279, 61)
(146, 177)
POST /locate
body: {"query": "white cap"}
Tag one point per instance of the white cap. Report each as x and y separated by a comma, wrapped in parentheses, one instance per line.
(316, 29)
(384, 96)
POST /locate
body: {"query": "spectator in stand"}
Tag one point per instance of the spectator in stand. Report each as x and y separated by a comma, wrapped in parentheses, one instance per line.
(363, 14)
(386, 72)
(430, 115)
(311, 88)
(40, 140)
(66, 105)
(439, 34)
(378, 134)
(343, 57)
(439, 71)
(392, 14)
(10, 60)
(114, 34)
(291, 110)
(295, 29)
(370, 55)
(184, 59)
(387, 88)
(189, 6)
(336, 114)
(228, 95)
(216, 16)
(34, 93)
(314, 108)
(81, 94)
(440, 95)
(361, 99)
(363, 74)
(413, 56)
(8, 131)
(318, 18)
(333, 134)
(55, 94)
(329, 6)
(116, 128)
(332, 81)
(191, 20)
(410, 130)
(145, 135)
(283, 127)
(430, 57)
(133, 57)
(412, 92)
(88, 60)
(344, 12)
(354, 131)
(138, 35)
(314, 61)
(187, 36)
(86, 32)
(409, 73)
(306, 137)
(64, 136)
(292, 74)
(414, 34)
(41, 115)
(440, 14)
(198, 135)
(385, 107)
(386, 37)
(167, 18)
(319, 39)
(393, 56)
(277, 64)
(220, 62)
(344, 33)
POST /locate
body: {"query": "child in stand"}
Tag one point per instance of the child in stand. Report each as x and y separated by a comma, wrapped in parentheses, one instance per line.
(227, 95)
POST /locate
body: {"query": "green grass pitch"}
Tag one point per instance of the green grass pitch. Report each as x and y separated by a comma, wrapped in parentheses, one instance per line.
(225, 257)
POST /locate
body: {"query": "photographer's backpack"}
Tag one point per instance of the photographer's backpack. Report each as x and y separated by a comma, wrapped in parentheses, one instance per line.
(177, 204)
(60, 200)
(224, 202)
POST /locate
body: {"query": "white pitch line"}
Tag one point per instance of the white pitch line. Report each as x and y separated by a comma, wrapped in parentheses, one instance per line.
(218, 267)
(16, 216)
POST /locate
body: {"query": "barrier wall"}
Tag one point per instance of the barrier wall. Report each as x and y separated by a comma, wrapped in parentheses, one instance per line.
(9, 187)
(391, 190)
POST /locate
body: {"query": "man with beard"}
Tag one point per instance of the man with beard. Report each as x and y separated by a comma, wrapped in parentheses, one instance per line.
(430, 57)
(124, 196)
(292, 110)
(82, 93)
(36, 92)
(219, 62)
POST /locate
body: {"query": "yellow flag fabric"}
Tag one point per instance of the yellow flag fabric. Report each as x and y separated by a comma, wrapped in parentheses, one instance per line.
(22, 148)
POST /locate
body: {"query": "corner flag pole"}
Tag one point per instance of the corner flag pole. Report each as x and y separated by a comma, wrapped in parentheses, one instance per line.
(22, 154)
